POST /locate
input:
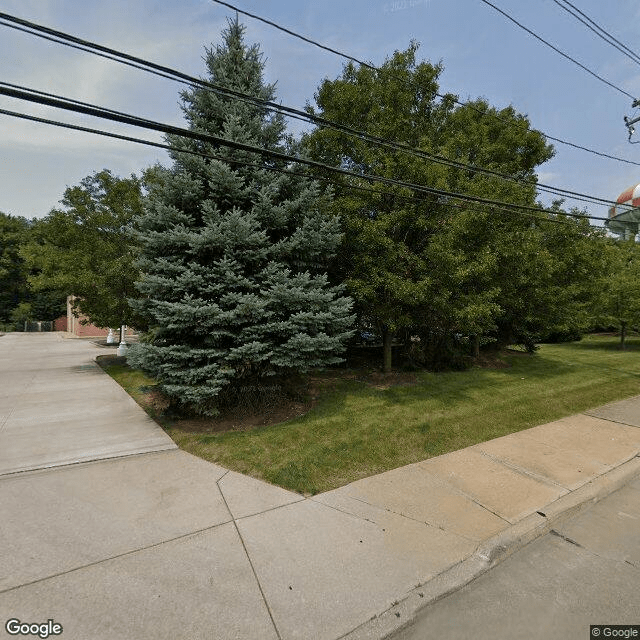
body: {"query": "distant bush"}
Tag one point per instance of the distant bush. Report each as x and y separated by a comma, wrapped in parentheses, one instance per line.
(567, 335)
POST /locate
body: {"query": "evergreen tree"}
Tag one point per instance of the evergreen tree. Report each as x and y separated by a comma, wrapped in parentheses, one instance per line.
(234, 257)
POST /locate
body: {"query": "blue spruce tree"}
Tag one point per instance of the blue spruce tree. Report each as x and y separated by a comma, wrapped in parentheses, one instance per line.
(234, 258)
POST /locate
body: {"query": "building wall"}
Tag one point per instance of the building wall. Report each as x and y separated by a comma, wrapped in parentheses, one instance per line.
(60, 324)
(72, 325)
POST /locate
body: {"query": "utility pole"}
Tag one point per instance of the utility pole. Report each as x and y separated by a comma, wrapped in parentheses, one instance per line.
(629, 122)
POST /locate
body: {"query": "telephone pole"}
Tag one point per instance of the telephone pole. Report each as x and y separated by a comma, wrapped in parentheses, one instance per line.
(629, 122)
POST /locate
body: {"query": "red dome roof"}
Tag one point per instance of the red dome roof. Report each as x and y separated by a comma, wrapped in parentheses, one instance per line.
(630, 196)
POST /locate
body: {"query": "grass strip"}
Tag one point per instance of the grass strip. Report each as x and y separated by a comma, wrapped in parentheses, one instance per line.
(356, 431)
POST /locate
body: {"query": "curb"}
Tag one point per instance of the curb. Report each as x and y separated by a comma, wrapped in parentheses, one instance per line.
(493, 551)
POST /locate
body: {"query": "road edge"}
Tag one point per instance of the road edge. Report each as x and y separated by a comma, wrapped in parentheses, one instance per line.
(493, 551)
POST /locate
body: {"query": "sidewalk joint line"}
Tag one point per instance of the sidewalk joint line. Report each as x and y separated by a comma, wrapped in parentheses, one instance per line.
(525, 472)
(586, 454)
(17, 400)
(116, 557)
(7, 418)
(279, 506)
(257, 513)
(466, 495)
(624, 424)
(475, 501)
(246, 551)
(69, 465)
(397, 513)
(346, 513)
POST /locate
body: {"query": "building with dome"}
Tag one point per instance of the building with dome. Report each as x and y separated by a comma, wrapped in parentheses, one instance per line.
(624, 216)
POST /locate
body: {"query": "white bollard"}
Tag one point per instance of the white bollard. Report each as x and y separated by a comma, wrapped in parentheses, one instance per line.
(122, 347)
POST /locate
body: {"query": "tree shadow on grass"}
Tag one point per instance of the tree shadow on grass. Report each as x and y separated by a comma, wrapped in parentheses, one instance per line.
(613, 344)
(464, 385)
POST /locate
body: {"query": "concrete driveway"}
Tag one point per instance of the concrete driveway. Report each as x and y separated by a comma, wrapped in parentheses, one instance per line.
(57, 407)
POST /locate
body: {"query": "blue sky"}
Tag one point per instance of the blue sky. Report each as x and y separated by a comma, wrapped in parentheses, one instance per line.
(483, 56)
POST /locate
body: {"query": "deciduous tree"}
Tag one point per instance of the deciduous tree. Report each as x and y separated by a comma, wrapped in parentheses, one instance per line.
(85, 248)
(13, 271)
(429, 266)
(619, 300)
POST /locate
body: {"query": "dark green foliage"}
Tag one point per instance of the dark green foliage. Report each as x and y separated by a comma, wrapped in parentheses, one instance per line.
(440, 275)
(85, 249)
(234, 258)
(618, 301)
(13, 271)
(18, 302)
(557, 337)
(384, 257)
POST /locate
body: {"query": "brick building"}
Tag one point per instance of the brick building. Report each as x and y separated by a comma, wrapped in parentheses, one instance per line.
(74, 326)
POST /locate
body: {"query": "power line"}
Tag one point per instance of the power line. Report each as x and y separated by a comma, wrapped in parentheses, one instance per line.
(200, 154)
(455, 99)
(562, 53)
(266, 167)
(96, 111)
(598, 30)
(297, 35)
(60, 37)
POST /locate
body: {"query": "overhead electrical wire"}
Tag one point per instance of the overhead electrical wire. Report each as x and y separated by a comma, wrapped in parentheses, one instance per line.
(201, 154)
(559, 51)
(109, 114)
(456, 100)
(350, 186)
(598, 30)
(166, 72)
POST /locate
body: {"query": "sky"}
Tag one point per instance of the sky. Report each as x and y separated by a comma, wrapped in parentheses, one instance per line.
(483, 55)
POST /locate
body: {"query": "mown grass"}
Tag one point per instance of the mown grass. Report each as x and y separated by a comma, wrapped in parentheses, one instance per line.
(135, 383)
(355, 431)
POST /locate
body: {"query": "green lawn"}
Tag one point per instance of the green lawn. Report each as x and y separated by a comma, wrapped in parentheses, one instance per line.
(356, 431)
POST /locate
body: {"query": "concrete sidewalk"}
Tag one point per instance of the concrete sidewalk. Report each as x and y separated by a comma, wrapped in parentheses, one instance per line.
(158, 543)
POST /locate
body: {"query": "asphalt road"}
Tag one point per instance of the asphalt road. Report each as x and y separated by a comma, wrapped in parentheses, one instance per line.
(585, 572)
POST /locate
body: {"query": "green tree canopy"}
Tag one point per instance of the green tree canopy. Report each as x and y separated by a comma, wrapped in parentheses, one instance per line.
(430, 267)
(618, 302)
(383, 259)
(85, 248)
(18, 302)
(13, 271)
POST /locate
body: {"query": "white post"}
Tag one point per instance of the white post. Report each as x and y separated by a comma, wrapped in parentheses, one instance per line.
(122, 348)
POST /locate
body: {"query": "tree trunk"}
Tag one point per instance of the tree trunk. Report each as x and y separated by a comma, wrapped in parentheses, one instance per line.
(476, 346)
(387, 340)
(623, 331)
